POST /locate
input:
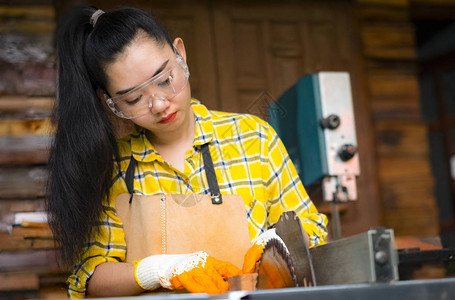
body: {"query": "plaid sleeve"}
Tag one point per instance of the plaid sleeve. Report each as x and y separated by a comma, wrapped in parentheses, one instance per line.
(286, 192)
(108, 245)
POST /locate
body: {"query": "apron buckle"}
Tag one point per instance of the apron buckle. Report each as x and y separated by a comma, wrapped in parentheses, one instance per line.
(216, 198)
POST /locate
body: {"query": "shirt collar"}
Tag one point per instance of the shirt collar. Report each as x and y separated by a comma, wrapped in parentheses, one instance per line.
(204, 124)
(143, 150)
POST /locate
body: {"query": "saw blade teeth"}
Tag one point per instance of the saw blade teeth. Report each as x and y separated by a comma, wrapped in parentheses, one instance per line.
(283, 251)
(278, 248)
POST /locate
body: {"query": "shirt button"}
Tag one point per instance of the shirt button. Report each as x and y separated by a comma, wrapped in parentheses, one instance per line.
(251, 204)
(187, 181)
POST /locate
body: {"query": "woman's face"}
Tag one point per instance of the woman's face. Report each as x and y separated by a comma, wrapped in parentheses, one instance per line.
(143, 59)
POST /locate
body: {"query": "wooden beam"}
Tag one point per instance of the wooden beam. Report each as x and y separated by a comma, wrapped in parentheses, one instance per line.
(22, 182)
(21, 281)
(33, 259)
(25, 108)
(385, 2)
(24, 149)
(389, 41)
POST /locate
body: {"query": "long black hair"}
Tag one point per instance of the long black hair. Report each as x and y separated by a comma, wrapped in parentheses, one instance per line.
(84, 149)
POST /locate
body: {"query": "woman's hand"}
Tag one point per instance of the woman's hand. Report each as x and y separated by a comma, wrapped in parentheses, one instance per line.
(197, 272)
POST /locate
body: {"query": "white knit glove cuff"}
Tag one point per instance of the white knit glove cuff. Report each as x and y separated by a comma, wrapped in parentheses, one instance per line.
(265, 237)
(151, 272)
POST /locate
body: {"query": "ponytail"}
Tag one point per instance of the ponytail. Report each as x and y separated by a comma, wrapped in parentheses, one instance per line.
(84, 147)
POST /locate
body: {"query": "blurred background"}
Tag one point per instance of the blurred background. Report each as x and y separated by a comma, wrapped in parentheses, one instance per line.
(242, 55)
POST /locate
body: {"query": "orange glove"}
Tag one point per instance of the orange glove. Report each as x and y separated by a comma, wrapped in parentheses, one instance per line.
(255, 252)
(251, 257)
(206, 277)
(197, 272)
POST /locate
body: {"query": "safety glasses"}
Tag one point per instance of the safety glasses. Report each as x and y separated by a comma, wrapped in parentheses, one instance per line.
(162, 87)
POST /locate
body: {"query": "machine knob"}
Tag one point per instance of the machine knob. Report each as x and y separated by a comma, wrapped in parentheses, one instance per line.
(347, 152)
(331, 122)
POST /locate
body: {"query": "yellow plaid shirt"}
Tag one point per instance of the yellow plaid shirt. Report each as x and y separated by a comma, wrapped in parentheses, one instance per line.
(249, 159)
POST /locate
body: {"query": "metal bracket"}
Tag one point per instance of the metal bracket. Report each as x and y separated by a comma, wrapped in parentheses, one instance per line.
(363, 258)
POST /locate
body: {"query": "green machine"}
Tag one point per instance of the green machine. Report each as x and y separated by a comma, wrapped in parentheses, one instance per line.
(315, 120)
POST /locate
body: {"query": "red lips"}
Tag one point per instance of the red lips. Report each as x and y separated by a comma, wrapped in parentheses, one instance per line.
(168, 119)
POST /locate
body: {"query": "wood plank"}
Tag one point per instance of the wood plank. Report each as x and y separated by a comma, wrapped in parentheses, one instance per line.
(27, 19)
(395, 109)
(394, 94)
(22, 182)
(16, 282)
(393, 83)
(19, 243)
(32, 259)
(20, 128)
(43, 244)
(385, 2)
(389, 41)
(408, 193)
(30, 233)
(433, 2)
(57, 291)
(415, 222)
(24, 149)
(27, 78)
(398, 138)
(25, 108)
(21, 205)
(421, 242)
(14, 243)
(374, 13)
(27, 11)
(392, 168)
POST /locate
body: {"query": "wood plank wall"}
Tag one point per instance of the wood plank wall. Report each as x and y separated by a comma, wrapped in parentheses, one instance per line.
(404, 173)
(28, 268)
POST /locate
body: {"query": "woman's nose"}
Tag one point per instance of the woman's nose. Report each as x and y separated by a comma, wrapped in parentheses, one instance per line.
(158, 104)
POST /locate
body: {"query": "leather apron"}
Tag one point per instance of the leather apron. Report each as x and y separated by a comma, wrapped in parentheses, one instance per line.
(182, 224)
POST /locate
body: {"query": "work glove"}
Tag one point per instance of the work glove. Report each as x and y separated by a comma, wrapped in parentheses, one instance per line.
(197, 272)
(255, 252)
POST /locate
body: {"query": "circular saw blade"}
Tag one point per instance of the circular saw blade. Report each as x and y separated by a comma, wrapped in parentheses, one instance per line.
(275, 267)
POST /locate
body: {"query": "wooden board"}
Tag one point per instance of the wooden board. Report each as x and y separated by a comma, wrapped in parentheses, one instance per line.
(410, 193)
(393, 168)
(27, 19)
(389, 41)
(25, 108)
(32, 259)
(18, 243)
(415, 222)
(394, 94)
(25, 128)
(385, 2)
(32, 149)
(21, 281)
(401, 138)
(22, 182)
(369, 13)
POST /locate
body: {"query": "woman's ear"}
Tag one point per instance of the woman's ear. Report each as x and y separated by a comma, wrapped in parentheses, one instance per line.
(100, 94)
(178, 43)
(121, 127)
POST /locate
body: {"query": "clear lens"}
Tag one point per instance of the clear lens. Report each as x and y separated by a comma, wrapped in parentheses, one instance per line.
(163, 86)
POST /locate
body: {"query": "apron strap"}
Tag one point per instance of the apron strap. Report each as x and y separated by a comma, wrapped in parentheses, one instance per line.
(211, 175)
(215, 194)
(129, 178)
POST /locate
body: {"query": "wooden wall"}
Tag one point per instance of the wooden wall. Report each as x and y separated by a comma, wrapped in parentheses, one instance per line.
(27, 257)
(404, 174)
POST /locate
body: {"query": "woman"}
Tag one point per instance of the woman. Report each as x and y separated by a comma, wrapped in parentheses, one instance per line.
(105, 195)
